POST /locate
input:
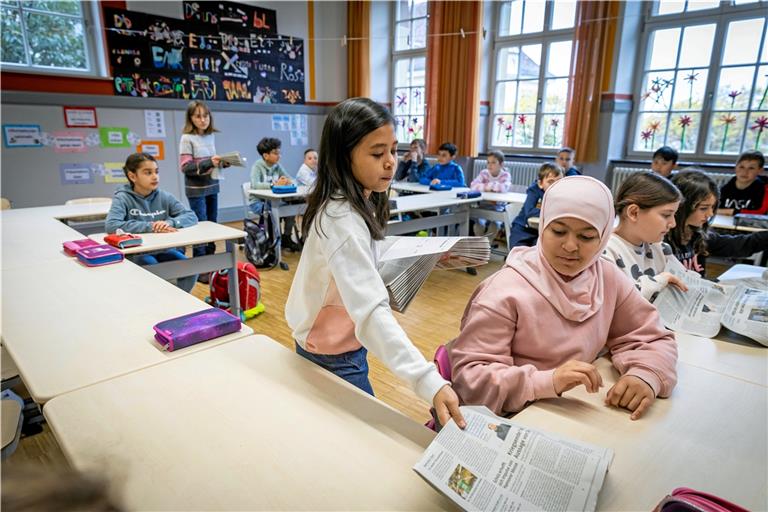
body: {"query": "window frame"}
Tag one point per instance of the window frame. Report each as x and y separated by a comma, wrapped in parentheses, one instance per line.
(92, 36)
(721, 16)
(544, 38)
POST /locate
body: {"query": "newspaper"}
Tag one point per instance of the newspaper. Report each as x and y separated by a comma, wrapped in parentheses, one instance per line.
(233, 158)
(405, 262)
(741, 305)
(495, 464)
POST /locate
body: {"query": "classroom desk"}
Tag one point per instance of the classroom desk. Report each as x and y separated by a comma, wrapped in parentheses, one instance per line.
(501, 197)
(201, 233)
(709, 435)
(67, 326)
(263, 430)
(727, 222)
(742, 271)
(739, 361)
(459, 212)
(280, 208)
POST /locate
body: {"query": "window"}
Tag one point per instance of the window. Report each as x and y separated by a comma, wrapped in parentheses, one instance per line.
(704, 81)
(409, 64)
(532, 65)
(44, 35)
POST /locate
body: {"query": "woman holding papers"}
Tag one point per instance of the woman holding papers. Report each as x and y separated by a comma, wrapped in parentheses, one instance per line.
(532, 330)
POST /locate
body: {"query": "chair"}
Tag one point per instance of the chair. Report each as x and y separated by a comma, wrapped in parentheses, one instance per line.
(89, 200)
(246, 186)
(510, 212)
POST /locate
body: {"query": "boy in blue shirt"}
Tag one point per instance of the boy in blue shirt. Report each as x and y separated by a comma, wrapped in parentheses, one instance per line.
(520, 233)
(445, 171)
(566, 159)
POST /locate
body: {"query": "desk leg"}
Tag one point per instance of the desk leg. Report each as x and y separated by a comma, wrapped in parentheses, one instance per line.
(464, 226)
(234, 282)
(275, 207)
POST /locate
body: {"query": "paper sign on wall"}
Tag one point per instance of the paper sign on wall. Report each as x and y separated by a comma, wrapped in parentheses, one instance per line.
(76, 174)
(69, 142)
(22, 135)
(281, 122)
(81, 117)
(113, 173)
(112, 137)
(156, 148)
(154, 123)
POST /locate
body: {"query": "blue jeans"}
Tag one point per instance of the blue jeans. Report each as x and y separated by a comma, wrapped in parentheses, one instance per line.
(350, 366)
(185, 283)
(206, 208)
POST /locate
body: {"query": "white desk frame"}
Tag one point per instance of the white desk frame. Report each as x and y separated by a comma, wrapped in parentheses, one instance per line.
(279, 209)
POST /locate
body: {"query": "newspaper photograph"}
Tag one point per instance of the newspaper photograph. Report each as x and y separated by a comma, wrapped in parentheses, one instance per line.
(747, 313)
(495, 464)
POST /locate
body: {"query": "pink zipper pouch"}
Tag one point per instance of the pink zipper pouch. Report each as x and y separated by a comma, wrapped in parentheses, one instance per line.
(71, 247)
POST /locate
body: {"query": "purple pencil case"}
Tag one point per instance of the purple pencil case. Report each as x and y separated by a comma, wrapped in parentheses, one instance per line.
(186, 330)
(71, 247)
(99, 255)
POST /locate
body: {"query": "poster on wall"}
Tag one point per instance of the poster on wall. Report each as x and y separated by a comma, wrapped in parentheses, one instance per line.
(113, 137)
(80, 117)
(156, 148)
(76, 174)
(69, 142)
(113, 173)
(154, 124)
(22, 135)
(232, 15)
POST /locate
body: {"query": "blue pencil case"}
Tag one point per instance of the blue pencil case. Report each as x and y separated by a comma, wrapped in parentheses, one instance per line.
(469, 194)
(440, 187)
(99, 255)
(283, 189)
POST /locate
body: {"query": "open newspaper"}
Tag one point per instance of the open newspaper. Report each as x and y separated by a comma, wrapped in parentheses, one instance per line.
(405, 262)
(233, 158)
(495, 464)
(741, 305)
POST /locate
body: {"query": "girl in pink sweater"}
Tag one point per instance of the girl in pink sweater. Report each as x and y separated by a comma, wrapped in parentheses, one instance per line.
(532, 330)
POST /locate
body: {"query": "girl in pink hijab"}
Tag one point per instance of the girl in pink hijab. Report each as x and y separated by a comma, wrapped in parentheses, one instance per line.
(532, 329)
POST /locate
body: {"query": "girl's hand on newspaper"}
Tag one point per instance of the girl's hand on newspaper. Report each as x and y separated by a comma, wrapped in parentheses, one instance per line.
(446, 405)
(631, 393)
(216, 160)
(572, 373)
(675, 281)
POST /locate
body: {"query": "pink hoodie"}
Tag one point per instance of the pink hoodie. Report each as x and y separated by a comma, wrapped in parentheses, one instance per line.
(514, 334)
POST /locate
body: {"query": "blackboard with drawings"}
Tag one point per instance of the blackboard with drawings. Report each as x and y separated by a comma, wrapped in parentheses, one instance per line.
(221, 51)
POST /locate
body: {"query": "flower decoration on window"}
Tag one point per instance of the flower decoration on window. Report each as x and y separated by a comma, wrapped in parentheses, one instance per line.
(727, 120)
(761, 123)
(646, 135)
(653, 127)
(658, 87)
(415, 129)
(508, 129)
(690, 78)
(554, 123)
(765, 92)
(684, 122)
(522, 120)
(733, 95)
(402, 100)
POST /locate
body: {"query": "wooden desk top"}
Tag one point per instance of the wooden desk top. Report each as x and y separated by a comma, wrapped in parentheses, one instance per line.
(709, 435)
(739, 361)
(200, 233)
(70, 326)
(248, 425)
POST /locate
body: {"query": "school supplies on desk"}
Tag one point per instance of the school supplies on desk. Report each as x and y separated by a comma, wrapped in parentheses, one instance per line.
(186, 330)
(751, 220)
(469, 194)
(71, 247)
(440, 187)
(99, 255)
(233, 158)
(283, 189)
(123, 240)
(684, 499)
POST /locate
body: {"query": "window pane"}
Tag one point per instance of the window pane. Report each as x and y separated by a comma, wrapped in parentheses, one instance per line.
(503, 130)
(699, 5)
(56, 41)
(506, 96)
(670, 6)
(552, 131)
(530, 61)
(415, 128)
(741, 2)
(402, 35)
(657, 91)
(511, 18)
(564, 14)
(757, 132)
(402, 101)
(401, 128)
(683, 131)
(507, 64)
(419, 71)
(402, 72)
(725, 132)
(559, 59)
(650, 132)
(743, 41)
(419, 38)
(690, 87)
(664, 48)
(417, 100)
(734, 87)
(527, 96)
(419, 8)
(71, 7)
(764, 57)
(697, 45)
(12, 49)
(403, 10)
(524, 124)
(555, 95)
(759, 100)
(11, 3)
(533, 20)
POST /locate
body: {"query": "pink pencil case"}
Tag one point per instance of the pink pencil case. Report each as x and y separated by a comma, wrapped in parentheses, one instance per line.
(71, 247)
(186, 330)
(99, 255)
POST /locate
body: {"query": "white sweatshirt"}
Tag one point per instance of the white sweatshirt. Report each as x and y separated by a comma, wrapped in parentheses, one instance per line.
(642, 263)
(338, 301)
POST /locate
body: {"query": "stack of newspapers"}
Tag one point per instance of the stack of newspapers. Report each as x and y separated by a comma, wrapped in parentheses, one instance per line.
(233, 158)
(405, 262)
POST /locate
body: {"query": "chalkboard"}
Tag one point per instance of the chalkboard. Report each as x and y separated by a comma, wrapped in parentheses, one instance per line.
(222, 51)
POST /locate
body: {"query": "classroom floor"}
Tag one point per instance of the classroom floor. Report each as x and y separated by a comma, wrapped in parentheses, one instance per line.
(432, 319)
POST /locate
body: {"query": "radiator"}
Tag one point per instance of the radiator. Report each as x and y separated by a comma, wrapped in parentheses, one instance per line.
(622, 173)
(522, 173)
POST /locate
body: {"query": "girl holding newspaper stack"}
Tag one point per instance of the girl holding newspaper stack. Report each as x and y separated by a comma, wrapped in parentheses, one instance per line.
(338, 306)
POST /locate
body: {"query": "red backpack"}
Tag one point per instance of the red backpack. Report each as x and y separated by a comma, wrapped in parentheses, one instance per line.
(249, 283)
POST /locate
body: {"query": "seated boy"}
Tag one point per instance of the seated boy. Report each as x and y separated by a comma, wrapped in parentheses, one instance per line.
(266, 172)
(520, 232)
(141, 207)
(566, 159)
(664, 161)
(746, 192)
(492, 179)
(308, 171)
(445, 171)
(413, 166)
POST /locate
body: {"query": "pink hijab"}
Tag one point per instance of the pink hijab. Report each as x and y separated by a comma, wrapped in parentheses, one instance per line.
(586, 199)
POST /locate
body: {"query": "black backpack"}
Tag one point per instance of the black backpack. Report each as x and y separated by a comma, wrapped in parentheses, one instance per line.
(261, 240)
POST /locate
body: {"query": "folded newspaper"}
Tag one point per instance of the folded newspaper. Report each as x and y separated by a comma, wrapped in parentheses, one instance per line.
(405, 262)
(233, 158)
(495, 464)
(741, 305)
